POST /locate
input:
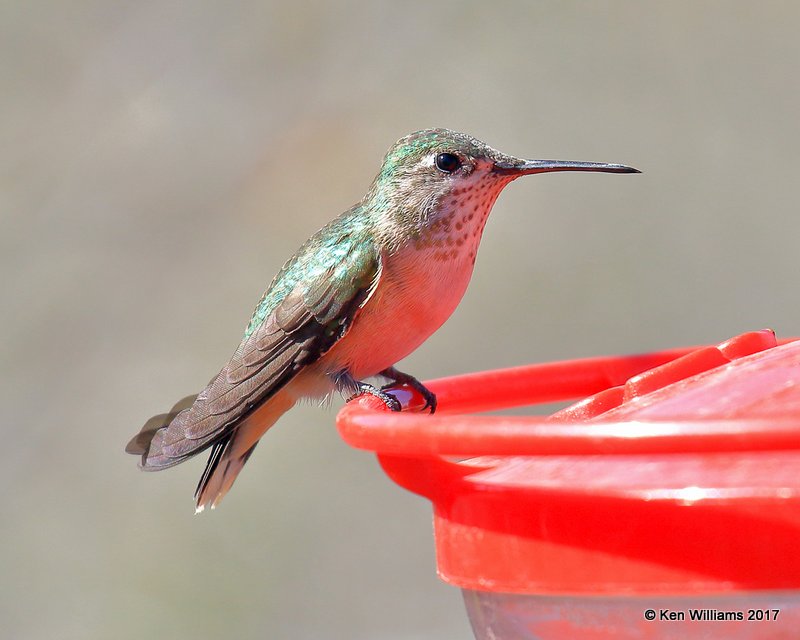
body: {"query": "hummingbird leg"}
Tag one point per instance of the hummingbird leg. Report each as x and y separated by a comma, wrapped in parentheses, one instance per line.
(410, 381)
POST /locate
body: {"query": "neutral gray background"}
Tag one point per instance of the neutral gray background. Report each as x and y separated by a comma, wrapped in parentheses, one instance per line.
(161, 160)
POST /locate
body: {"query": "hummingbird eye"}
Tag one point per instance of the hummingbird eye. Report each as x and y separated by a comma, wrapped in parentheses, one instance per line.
(448, 162)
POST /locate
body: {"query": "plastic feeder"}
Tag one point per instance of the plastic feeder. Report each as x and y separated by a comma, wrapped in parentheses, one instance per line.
(672, 489)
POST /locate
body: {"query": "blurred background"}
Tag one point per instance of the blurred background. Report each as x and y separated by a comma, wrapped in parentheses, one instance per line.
(161, 160)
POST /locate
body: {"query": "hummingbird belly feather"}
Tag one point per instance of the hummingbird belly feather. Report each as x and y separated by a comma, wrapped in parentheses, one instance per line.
(414, 296)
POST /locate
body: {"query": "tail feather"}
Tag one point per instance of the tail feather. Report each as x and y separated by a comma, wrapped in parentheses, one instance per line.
(211, 466)
(221, 470)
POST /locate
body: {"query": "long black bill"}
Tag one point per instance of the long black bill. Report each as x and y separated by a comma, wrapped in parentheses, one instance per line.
(525, 167)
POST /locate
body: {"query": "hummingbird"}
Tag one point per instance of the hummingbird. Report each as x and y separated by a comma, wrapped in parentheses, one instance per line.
(360, 295)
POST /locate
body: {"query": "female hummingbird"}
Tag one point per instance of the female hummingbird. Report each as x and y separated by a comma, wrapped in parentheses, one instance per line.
(361, 294)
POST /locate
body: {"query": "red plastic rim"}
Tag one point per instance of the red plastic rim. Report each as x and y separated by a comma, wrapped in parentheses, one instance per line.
(675, 473)
(368, 424)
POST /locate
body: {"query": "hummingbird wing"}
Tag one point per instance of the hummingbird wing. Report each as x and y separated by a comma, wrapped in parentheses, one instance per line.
(309, 306)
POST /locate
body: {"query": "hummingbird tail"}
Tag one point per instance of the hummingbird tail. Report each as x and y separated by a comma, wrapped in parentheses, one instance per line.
(230, 453)
(163, 442)
(220, 472)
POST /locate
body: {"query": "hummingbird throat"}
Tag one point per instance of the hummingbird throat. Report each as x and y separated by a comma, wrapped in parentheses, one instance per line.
(453, 229)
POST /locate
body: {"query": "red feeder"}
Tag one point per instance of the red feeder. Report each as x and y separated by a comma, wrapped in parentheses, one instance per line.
(672, 490)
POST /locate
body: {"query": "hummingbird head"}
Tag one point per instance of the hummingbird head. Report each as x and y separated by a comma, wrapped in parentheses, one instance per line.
(436, 182)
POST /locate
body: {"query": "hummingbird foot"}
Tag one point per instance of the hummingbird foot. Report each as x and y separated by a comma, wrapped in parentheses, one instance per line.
(410, 381)
(392, 403)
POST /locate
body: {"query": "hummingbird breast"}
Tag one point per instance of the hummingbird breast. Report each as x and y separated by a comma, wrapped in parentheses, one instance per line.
(420, 285)
(417, 292)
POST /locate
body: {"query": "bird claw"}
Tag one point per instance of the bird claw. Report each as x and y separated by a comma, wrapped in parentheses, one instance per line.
(410, 381)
